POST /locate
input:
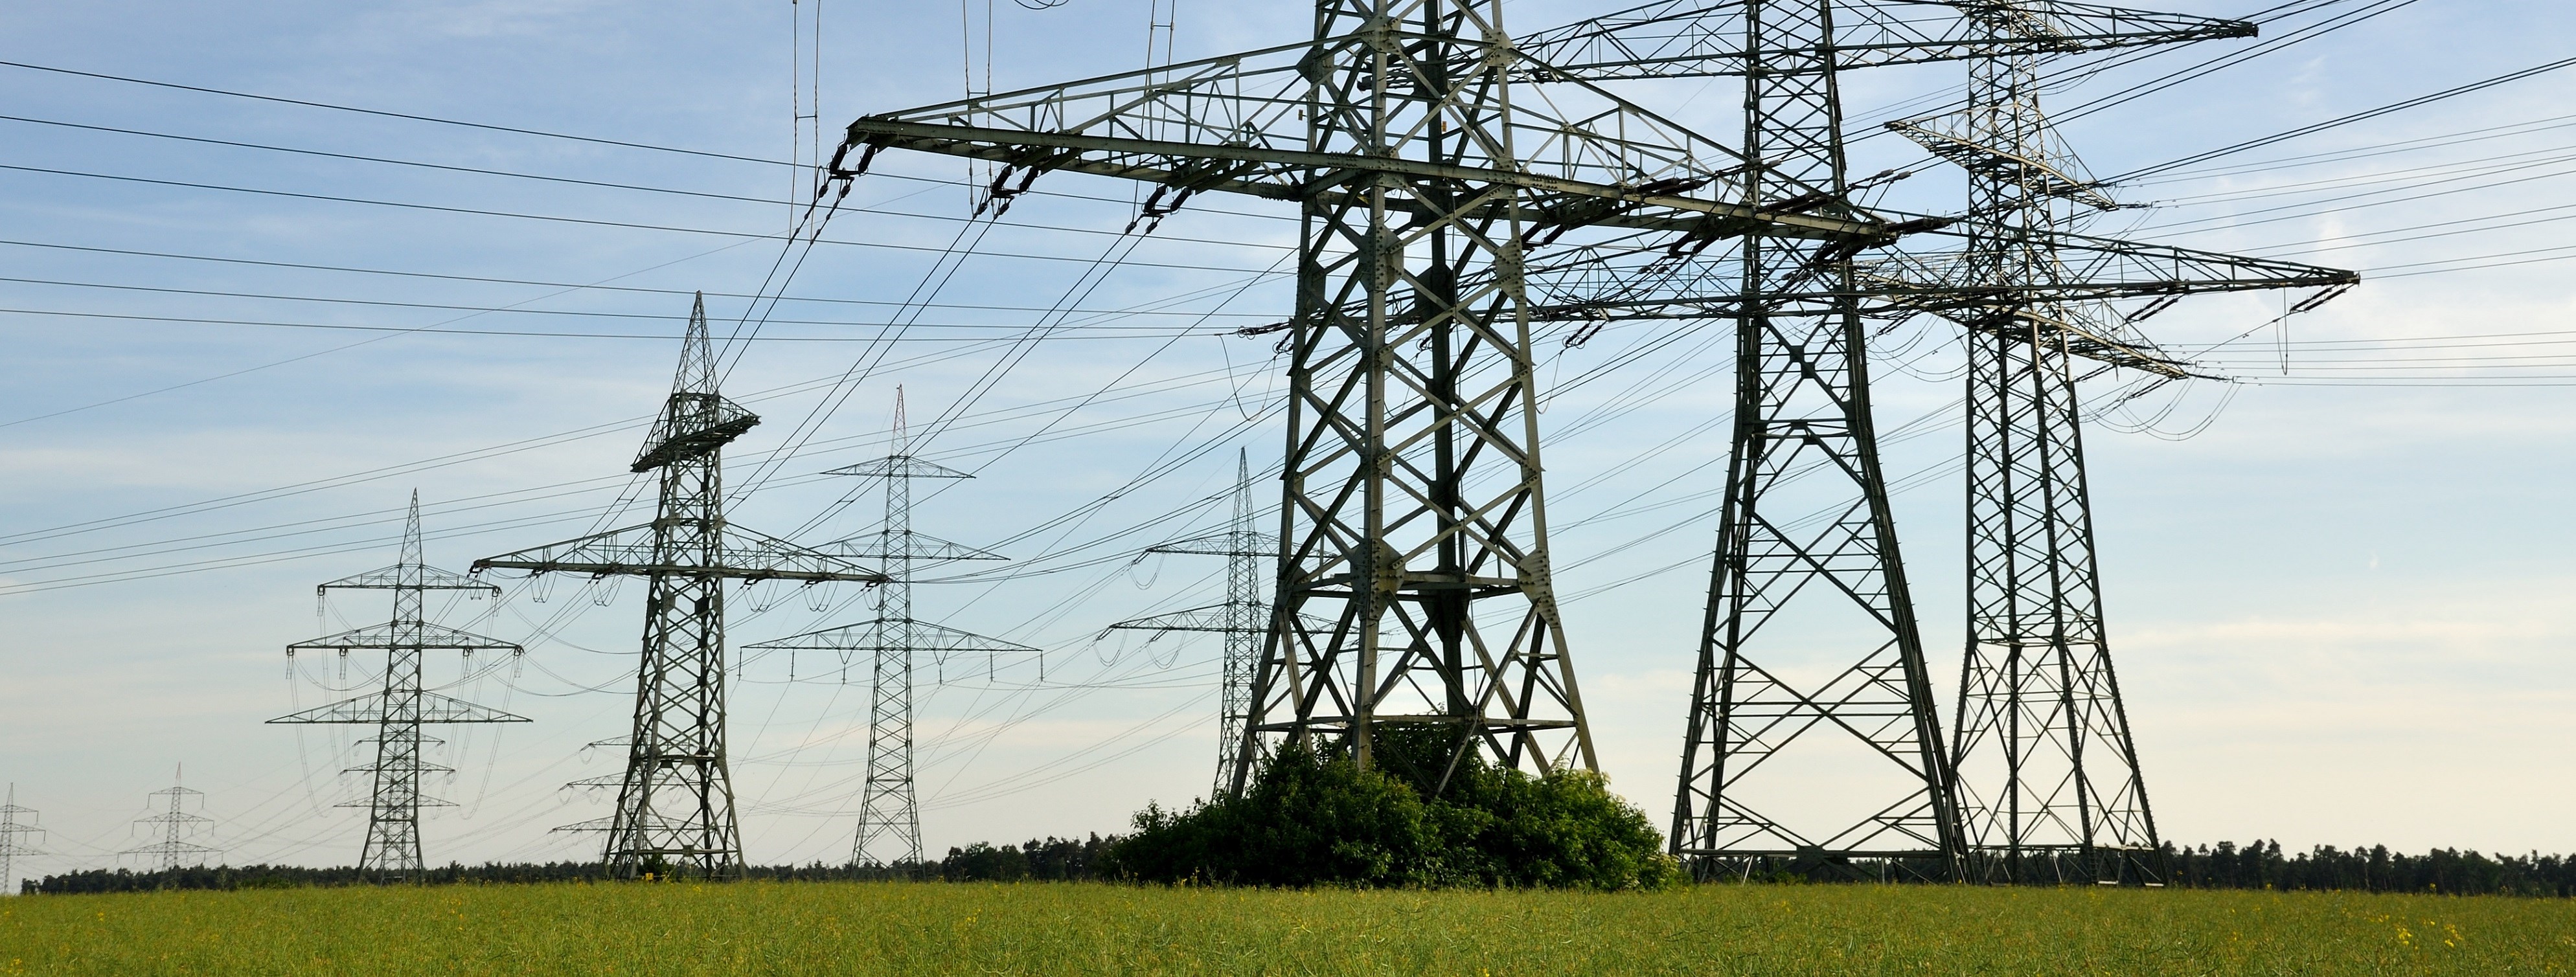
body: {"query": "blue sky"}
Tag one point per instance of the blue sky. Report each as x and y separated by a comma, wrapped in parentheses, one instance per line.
(2334, 589)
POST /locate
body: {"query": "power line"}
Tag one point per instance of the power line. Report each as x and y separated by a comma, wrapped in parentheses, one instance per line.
(660, 337)
(2233, 58)
(517, 130)
(581, 221)
(2444, 141)
(392, 115)
(639, 290)
(2345, 120)
(602, 184)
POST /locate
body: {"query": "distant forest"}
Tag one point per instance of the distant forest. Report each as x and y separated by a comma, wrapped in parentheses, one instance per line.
(2259, 865)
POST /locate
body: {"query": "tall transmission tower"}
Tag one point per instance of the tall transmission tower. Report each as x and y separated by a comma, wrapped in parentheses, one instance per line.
(1413, 524)
(175, 826)
(1428, 194)
(1807, 555)
(1805, 442)
(17, 829)
(1243, 619)
(398, 710)
(675, 807)
(889, 832)
(2049, 781)
(2050, 785)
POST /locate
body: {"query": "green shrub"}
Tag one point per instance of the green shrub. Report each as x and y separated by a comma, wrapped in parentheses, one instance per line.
(1317, 818)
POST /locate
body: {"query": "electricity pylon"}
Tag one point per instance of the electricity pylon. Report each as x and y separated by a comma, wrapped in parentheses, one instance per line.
(175, 826)
(1807, 553)
(391, 852)
(2049, 782)
(2050, 788)
(1413, 525)
(1394, 130)
(675, 805)
(14, 837)
(1242, 619)
(889, 832)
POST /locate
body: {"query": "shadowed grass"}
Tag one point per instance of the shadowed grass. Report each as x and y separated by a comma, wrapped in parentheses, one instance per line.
(895, 928)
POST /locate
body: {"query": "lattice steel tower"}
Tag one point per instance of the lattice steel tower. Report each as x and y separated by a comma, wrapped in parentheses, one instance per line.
(15, 834)
(889, 832)
(1243, 620)
(675, 806)
(1412, 521)
(401, 706)
(2050, 788)
(1807, 551)
(1807, 558)
(2049, 783)
(1413, 526)
(175, 826)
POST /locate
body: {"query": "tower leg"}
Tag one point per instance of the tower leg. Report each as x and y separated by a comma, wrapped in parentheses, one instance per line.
(2049, 783)
(1811, 663)
(675, 810)
(1412, 523)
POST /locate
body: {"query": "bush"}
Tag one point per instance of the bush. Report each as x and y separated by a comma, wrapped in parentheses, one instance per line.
(1313, 818)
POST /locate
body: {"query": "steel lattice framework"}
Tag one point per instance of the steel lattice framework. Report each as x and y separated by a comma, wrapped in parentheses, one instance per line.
(401, 706)
(1413, 524)
(1436, 208)
(1807, 552)
(675, 804)
(2049, 782)
(1243, 619)
(889, 832)
(175, 826)
(1804, 446)
(15, 835)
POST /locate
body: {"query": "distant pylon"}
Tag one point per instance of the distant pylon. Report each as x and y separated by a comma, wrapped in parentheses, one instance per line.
(174, 827)
(675, 805)
(889, 832)
(391, 852)
(14, 837)
(2049, 784)
(1243, 619)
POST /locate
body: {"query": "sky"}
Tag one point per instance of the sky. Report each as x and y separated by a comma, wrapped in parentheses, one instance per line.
(2334, 586)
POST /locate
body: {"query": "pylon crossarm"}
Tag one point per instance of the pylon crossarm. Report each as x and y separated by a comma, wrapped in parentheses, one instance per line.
(421, 800)
(411, 577)
(1216, 619)
(173, 848)
(1582, 156)
(1221, 543)
(907, 545)
(370, 710)
(2037, 177)
(1699, 39)
(742, 555)
(899, 466)
(1301, 175)
(1640, 277)
(922, 636)
(410, 634)
(400, 768)
(2092, 268)
(2083, 334)
(692, 424)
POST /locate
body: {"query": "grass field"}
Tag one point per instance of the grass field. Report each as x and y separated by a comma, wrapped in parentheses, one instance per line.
(875, 928)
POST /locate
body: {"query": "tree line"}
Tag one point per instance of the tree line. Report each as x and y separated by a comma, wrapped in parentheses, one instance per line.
(2226, 865)
(2261, 865)
(1051, 859)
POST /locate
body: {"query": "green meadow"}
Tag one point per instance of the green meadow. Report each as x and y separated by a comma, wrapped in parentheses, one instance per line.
(1075, 928)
